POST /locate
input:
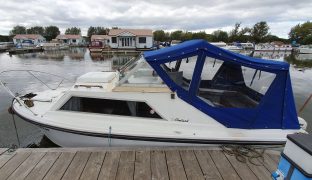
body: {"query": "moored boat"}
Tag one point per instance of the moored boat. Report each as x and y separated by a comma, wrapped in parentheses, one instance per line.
(192, 93)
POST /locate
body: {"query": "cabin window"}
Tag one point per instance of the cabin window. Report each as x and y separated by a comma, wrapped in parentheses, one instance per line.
(231, 85)
(114, 39)
(74, 40)
(142, 40)
(110, 106)
(181, 71)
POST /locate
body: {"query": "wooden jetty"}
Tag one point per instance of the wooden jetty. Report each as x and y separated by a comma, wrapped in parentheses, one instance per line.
(25, 50)
(164, 163)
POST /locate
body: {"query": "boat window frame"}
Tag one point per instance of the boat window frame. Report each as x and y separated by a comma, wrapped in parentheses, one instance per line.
(58, 107)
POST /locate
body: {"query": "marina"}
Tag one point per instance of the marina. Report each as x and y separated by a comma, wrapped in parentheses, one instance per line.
(69, 58)
(133, 163)
(116, 104)
(139, 90)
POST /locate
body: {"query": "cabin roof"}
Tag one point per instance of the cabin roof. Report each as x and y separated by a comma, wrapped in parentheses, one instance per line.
(99, 37)
(68, 36)
(137, 32)
(27, 36)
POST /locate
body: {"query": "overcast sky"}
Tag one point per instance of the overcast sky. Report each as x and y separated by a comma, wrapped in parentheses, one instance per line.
(191, 15)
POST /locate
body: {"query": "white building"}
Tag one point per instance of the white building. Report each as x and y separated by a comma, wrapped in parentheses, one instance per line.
(34, 39)
(71, 39)
(131, 38)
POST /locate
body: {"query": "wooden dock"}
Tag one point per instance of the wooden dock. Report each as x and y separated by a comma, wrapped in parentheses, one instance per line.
(25, 50)
(131, 163)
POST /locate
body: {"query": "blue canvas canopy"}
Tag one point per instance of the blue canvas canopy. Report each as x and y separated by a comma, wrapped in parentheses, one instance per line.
(276, 108)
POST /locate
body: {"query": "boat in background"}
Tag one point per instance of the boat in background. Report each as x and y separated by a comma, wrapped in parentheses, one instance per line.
(193, 93)
(54, 46)
(230, 47)
(304, 49)
(273, 47)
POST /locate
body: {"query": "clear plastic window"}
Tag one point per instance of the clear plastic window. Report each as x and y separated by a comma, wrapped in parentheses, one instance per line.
(231, 85)
(181, 71)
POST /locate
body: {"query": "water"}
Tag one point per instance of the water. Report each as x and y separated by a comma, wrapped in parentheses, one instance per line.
(77, 61)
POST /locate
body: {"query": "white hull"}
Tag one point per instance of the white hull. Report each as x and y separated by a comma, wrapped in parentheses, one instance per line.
(76, 140)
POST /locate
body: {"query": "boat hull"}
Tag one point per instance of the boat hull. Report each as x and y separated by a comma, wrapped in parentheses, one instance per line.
(73, 138)
(76, 139)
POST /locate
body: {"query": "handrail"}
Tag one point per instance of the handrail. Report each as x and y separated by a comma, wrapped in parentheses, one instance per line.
(30, 72)
(15, 96)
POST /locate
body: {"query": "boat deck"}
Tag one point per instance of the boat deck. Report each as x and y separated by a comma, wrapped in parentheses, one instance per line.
(132, 163)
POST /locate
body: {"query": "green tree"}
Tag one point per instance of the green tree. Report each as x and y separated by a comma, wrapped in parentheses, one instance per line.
(97, 30)
(234, 33)
(176, 35)
(187, 36)
(18, 30)
(199, 35)
(35, 30)
(259, 31)
(73, 30)
(301, 31)
(307, 40)
(91, 31)
(220, 36)
(159, 35)
(50, 32)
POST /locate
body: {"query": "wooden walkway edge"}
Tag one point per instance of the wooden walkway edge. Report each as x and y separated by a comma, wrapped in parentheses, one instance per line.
(162, 163)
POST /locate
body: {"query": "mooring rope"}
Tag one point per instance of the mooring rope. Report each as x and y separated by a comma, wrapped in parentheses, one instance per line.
(16, 132)
(305, 103)
(243, 153)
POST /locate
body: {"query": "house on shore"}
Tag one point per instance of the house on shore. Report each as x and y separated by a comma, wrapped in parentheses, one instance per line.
(71, 39)
(130, 38)
(34, 39)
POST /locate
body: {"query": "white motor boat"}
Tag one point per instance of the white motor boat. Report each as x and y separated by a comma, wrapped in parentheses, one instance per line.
(304, 49)
(273, 47)
(190, 94)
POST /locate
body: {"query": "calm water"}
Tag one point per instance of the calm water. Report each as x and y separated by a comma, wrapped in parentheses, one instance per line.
(77, 61)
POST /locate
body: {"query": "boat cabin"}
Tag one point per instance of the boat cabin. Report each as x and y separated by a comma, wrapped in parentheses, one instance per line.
(236, 90)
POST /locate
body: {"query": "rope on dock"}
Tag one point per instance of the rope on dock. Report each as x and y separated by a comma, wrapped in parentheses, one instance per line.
(243, 153)
(305, 103)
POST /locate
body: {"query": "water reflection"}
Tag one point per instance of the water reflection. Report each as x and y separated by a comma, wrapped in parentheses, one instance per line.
(74, 62)
(280, 56)
(72, 53)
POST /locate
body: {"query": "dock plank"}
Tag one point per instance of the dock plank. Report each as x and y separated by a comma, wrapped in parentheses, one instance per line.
(110, 165)
(4, 158)
(93, 166)
(159, 165)
(13, 164)
(207, 165)
(126, 165)
(275, 157)
(3, 150)
(224, 166)
(268, 163)
(43, 166)
(175, 165)
(23, 170)
(191, 166)
(259, 170)
(241, 168)
(59, 167)
(77, 165)
(142, 166)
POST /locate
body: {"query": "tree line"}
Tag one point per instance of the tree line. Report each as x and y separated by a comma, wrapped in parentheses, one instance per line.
(259, 32)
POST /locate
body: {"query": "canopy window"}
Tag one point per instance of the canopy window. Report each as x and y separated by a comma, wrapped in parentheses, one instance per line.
(236, 90)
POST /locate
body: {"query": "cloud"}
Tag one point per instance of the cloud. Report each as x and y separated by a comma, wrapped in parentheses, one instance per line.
(188, 15)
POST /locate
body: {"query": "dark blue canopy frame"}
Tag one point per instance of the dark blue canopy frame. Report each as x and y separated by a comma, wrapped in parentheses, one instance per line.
(276, 109)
